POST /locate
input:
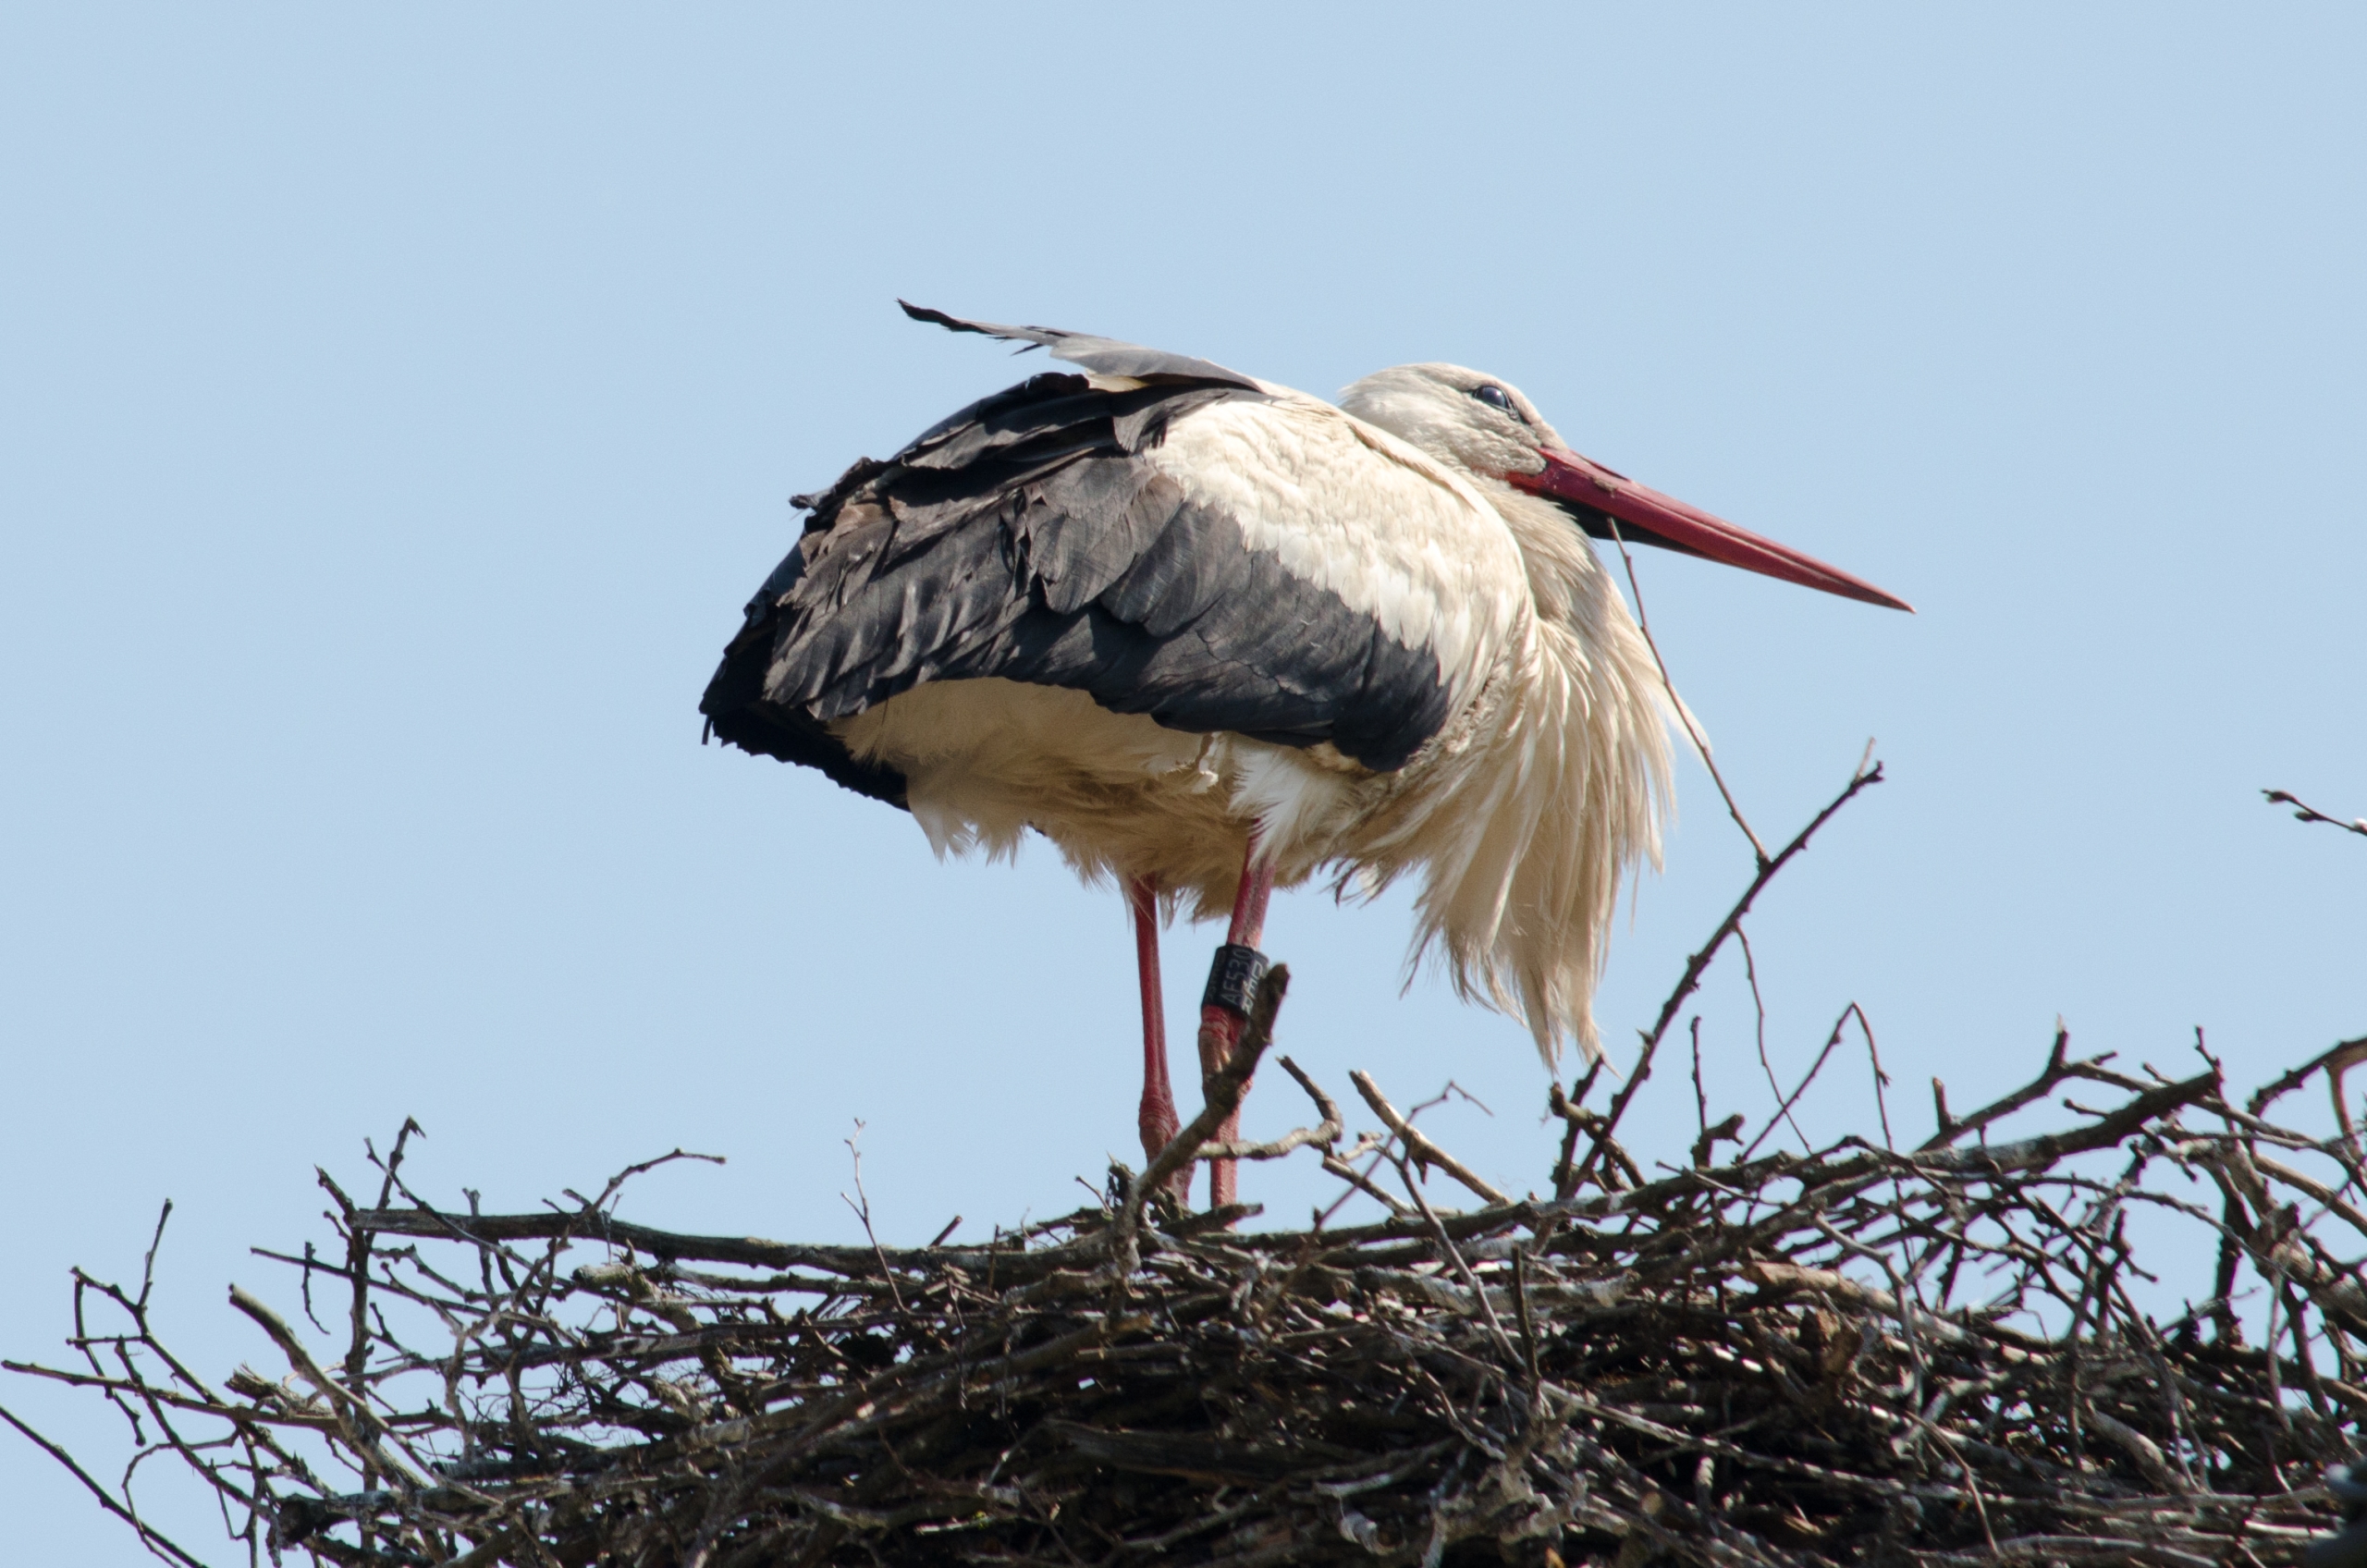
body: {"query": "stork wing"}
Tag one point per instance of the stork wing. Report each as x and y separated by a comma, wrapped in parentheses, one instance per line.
(1033, 537)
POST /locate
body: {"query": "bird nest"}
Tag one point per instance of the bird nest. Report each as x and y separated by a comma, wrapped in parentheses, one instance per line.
(1766, 1361)
(1874, 1353)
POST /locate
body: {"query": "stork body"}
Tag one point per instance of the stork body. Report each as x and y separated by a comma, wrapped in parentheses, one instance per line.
(1209, 636)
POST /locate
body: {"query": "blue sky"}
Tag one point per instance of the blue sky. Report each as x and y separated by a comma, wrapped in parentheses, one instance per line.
(396, 406)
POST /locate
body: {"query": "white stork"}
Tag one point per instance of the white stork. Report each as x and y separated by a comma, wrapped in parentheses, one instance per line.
(1211, 636)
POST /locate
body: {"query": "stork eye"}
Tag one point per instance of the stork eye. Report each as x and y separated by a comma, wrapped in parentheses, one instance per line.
(1497, 397)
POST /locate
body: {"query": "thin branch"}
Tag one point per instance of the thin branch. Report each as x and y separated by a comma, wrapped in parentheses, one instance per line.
(2059, 1069)
(360, 1423)
(150, 1537)
(1882, 1079)
(1867, 774)
(863, 1212)
(1325, 1131)
(1700, 1095)
(2333, 1063)
(1759, 1011)
(2306, 813)
(1418, 1146)
(1684, 714)
(1784, 1111)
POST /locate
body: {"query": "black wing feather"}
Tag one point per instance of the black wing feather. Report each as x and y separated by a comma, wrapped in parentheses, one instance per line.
(1022, 539)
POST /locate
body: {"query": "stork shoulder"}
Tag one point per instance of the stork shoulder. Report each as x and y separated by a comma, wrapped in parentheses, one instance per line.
(1349, 508)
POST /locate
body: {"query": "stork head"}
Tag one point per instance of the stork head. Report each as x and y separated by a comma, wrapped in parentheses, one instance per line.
(1487, 428)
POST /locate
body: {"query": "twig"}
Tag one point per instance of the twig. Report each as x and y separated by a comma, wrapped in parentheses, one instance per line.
(863, 1212)
(1448, 1252)
(1684, 714)
(361, 1425)
(2333, 1063)
(1359, 1182)
(1327, 1131)
(1784, 1111)
(1865, 776)
(1700, 1095)
(2058, 1070)
(1418, 1145)
(1759, 1011)
(2311, 813)
(150, 1537)
(1882, 1079)
(1727, 1131)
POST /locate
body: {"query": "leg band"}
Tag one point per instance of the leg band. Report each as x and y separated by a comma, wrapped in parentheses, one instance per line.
(1232, 978)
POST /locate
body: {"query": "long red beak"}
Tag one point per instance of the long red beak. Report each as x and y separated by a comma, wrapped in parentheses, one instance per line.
(1646, 517)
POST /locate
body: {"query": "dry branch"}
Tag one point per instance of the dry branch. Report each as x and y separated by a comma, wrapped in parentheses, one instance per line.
(1418, 1147)
(2304, 811)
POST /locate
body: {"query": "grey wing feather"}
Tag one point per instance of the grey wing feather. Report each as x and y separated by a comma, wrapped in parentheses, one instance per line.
(1103, 355)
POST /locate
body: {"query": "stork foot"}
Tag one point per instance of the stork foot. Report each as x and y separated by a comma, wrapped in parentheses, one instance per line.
(1158, 1120)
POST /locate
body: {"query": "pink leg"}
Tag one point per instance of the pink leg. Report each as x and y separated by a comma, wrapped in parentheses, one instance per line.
(1220, 1028)
(1157, 1117)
